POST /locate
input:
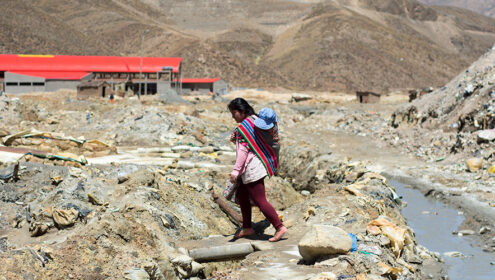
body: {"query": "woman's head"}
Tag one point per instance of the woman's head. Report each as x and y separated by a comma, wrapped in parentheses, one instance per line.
(240, 109)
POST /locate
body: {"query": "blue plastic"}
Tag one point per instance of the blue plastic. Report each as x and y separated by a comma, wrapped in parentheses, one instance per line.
(354, 242)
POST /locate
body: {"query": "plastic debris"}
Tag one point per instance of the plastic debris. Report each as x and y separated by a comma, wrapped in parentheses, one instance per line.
(395, 234)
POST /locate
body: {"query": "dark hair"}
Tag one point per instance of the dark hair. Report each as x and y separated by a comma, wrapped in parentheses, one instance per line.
(241, 105)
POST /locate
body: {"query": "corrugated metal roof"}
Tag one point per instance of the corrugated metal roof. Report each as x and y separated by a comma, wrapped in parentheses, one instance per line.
(54, 75)
(69, 63)
(199, 81)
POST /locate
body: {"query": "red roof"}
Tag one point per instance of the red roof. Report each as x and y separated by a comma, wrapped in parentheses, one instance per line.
(70, 63)
(199, 81)
(56, 75)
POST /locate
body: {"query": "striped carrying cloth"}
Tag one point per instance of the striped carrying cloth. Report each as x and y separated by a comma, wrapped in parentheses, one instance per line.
(264, 152)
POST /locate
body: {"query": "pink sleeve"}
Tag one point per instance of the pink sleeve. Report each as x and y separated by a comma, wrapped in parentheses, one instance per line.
(242, 154)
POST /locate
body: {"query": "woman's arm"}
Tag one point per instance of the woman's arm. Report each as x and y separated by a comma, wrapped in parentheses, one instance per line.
(242, 154)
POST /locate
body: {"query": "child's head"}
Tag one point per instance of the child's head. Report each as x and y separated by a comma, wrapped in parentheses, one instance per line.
(240, 109)
(266, 119)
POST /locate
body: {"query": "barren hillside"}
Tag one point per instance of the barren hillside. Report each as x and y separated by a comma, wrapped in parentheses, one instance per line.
(304, 45)
(485, 7)
(378, 47)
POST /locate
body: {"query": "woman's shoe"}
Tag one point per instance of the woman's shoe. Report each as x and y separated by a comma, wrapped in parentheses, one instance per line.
(278, 235)
(244, 232)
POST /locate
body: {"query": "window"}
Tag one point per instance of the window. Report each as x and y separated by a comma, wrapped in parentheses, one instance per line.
(38, 84)
(12, 84)
(24, 84)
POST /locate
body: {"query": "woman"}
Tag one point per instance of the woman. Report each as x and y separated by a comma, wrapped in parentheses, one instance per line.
(255, 160)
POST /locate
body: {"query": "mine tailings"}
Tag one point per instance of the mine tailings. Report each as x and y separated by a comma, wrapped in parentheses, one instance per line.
(434, 223)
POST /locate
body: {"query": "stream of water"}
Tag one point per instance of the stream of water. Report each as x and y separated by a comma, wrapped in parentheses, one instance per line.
(433, 223)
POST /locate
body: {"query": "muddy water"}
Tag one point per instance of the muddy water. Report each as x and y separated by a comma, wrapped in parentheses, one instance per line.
(434, 229)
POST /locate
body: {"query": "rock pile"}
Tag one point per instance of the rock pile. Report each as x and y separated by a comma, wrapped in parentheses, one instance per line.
(464, 109)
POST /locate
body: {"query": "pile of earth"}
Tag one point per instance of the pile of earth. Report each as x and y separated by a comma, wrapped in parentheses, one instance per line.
(463, 111)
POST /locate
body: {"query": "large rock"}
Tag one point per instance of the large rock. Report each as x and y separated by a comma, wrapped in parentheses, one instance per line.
(474, 164)
(486, 135)
(298, 97)
(65, 218)
(3, 132)
(324, 276)
(324, 240)
(136, 274)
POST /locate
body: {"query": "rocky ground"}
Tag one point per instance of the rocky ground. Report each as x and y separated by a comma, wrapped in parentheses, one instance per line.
(137, 201)
(451, 129)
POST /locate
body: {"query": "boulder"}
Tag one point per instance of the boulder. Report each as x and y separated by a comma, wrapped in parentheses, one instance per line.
(38, 229)
(324, 276)
(486, 135)
(185, 266)
(453, 254)
(185, 164)
(324, 240)
(3, 132)
(298, 97)
(474, 164)
(136, 274)
(467, 232)
(65, 218)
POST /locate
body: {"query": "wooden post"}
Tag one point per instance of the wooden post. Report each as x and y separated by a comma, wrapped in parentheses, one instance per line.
(233, 215)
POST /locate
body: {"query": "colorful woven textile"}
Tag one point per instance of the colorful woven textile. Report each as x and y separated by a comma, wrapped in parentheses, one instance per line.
(258, 146)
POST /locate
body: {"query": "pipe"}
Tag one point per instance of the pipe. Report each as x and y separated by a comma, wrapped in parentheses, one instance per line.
(221, 252)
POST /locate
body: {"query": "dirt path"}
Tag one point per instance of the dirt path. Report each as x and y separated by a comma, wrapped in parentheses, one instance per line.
(276, 260)
(357, 147)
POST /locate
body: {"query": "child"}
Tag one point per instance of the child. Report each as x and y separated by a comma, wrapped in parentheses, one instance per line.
(268, 129)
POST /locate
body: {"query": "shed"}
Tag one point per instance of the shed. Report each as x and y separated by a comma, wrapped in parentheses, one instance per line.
(367, 97)
(216, 86)
(93, 89)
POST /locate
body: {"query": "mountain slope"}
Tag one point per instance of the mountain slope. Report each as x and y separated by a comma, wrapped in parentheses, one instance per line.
(485, 7)
(335, 45)
(27, 29)
(355, 47)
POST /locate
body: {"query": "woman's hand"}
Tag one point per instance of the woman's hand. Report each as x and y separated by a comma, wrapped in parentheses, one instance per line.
(232, 137)
(233, 178)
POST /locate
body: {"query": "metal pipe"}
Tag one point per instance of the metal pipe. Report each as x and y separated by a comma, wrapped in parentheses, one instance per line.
(141, 63)
(180, 74)
(221, 252)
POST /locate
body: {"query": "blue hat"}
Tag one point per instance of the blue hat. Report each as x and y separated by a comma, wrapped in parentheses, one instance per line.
(266, 118)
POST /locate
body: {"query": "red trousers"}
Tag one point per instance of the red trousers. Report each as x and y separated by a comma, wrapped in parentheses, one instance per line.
(256, 190)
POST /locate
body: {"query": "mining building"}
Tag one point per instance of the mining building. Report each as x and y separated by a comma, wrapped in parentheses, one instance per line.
(99, 75)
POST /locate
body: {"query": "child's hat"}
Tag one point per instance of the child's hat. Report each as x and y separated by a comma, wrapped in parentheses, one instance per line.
(266, 118)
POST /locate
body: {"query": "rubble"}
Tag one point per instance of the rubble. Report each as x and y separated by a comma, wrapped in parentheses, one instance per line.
(128, 211)
(58, 143)
(464, 107)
